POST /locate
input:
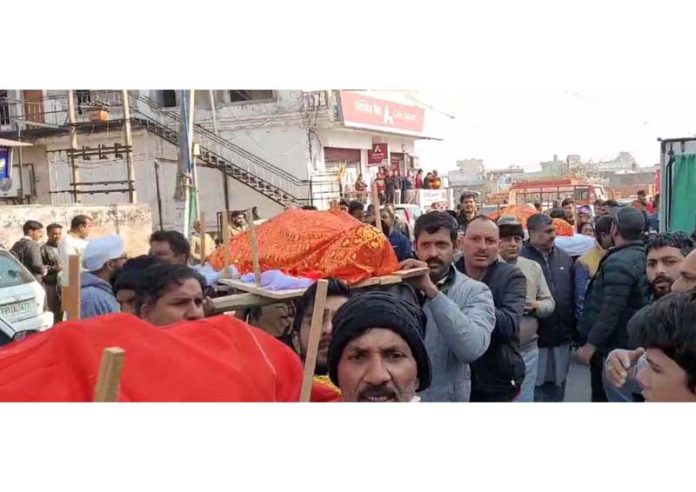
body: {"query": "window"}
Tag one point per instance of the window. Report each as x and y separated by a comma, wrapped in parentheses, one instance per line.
(12, 273)
(83, 99)
(168, 99)
(4, 109)
(245, 95)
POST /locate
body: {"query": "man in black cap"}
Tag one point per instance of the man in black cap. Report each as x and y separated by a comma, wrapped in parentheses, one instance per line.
(377, 352)
(617, 292)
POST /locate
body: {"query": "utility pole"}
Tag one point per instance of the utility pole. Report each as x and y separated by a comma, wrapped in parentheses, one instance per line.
(73, 144)
(185, 173)
(21, 166)
(129, 145)
(225, 184)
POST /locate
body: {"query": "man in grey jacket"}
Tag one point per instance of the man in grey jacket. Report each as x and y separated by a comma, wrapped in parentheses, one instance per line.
(540, 303)
(459, 310)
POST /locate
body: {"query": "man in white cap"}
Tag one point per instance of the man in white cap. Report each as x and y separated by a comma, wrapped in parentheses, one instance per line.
(104, 258)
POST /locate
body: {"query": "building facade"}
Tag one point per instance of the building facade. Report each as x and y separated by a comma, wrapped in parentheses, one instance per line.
(258, 148)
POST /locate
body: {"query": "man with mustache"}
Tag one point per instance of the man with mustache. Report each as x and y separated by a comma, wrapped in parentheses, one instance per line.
(377, 353)
(667, 253)
(557, 330)
(498, 374)
(337, 295)
(459, 310)
(539, 303)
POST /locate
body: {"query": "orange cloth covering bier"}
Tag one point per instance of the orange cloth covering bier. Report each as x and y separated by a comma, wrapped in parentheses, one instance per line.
(217, 359)
(563, 228)
(521, 212)
(300, 242)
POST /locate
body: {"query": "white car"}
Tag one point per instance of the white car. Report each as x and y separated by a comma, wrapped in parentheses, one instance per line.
(22, 301)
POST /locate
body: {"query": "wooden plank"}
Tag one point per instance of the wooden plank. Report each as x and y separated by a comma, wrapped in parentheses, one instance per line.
(412, 272)
(375, 206)
(314, 336)
(254, 249)
(203, 241)
(253, 289)
(226, 242)
(109, 379)
(282, 295)
(70, 294)
(243, 301)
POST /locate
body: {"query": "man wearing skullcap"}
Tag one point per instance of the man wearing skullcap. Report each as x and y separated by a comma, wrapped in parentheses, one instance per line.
(104, 258)
(377, 352)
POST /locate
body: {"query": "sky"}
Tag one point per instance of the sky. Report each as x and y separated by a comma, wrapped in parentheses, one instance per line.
(525, 127)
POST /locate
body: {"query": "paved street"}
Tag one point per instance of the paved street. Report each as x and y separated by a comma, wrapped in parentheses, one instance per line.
(578, 385)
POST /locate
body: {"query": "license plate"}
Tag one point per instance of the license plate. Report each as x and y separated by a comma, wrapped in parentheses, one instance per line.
(15, 311)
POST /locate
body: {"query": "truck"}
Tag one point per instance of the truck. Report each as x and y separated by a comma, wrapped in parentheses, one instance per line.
(677, 182)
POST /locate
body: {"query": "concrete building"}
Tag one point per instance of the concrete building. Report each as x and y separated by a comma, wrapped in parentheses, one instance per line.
(260, 148)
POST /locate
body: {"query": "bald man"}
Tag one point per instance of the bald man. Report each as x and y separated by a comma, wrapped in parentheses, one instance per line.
(498, 374)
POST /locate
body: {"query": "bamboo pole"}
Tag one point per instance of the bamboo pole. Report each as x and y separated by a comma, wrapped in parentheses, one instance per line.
(314, 336)
(109, 379)
(254, 248)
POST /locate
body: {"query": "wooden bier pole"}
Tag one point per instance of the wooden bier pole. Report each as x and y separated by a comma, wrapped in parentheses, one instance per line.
(314, 336)
(375, 206)
(225, 224)
(202, 243)
(70, 294)
(109, 379)
(254, 248)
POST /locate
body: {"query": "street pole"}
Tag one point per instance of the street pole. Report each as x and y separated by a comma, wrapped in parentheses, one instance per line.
(129, 144)
(73, 144)
(225, 184)
(185, 171)
(21, 166)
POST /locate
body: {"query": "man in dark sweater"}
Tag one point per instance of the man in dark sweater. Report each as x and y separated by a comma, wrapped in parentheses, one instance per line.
(498, 374)
(50, 259)
(28, 251)
(558, 330)
(617, 292)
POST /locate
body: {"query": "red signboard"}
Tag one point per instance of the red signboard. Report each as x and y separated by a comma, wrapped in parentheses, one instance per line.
(360, 111)
(378, 154)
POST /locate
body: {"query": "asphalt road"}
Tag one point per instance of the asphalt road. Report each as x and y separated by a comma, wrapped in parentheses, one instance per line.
(578, 383)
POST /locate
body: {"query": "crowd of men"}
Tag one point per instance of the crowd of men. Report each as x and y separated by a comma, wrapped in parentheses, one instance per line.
(496, 318)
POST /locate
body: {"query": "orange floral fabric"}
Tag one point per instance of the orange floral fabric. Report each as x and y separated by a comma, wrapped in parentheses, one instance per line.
(303, 242)
(563, 228)
(521, 212)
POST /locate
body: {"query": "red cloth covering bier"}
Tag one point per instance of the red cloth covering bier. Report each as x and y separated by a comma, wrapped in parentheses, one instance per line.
(218, 359)
(302, 242)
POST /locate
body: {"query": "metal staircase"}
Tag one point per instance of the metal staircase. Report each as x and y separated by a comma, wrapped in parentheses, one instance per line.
(216, 152)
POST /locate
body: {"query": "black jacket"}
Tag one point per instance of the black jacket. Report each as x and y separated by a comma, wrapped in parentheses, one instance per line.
(28, 252)
(559, 328)
(498, 374)
(618, 291)
(49, 257)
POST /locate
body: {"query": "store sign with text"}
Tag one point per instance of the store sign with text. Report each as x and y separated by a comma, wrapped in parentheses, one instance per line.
(361, 111)
(378, 155)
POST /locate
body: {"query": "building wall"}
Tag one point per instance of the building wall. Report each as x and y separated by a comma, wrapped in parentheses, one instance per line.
(132, 222)
(54, 172)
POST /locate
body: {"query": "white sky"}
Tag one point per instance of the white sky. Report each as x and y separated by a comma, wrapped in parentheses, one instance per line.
(525, 128)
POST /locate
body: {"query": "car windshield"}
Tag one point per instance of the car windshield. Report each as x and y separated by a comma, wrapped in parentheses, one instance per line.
(12, 273)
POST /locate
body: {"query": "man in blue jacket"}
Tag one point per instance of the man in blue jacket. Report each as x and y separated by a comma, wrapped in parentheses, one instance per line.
(104, 259)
